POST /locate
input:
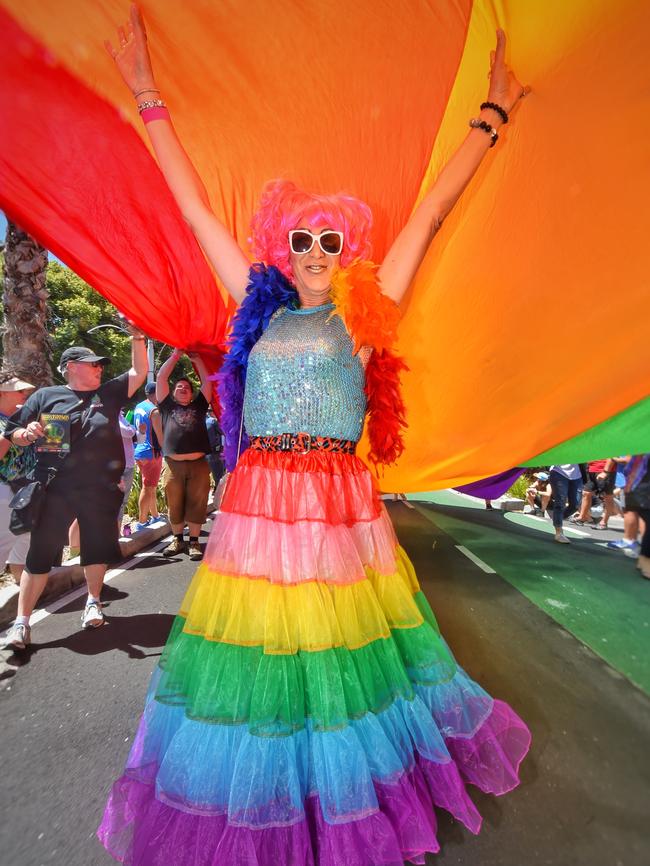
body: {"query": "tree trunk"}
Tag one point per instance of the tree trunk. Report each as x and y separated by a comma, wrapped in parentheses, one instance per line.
(26, 344)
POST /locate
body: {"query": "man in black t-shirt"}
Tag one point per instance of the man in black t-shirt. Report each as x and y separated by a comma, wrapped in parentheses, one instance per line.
(186, 476)
(79, 449)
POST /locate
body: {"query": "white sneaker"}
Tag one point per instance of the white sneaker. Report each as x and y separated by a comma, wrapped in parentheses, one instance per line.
(529, 509)
(19, 637)
(561, 539)
(92, 617)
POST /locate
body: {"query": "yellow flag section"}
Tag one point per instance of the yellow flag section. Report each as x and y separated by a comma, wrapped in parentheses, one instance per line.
(529, 320)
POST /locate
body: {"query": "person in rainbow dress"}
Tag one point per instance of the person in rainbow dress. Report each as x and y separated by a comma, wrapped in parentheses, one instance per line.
(306, 709)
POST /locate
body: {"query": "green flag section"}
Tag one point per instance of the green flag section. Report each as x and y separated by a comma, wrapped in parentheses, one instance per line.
(625, 433)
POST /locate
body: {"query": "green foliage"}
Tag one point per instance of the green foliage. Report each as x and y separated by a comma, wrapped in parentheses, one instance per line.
(518, 489)
(74, 308)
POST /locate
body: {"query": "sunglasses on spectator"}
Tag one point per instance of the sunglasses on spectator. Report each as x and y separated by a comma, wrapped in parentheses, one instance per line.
(87, 363)
(302, 241)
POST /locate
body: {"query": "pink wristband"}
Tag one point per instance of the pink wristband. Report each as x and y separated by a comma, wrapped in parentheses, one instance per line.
(158, 113)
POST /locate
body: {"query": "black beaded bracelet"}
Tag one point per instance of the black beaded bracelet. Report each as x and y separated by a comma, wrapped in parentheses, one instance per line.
(477, 123)
(503, 114)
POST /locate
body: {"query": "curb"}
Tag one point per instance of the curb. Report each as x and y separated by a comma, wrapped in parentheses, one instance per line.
(66, 577)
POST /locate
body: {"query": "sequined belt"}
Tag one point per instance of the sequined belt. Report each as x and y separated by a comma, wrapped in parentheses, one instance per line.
(302, 443)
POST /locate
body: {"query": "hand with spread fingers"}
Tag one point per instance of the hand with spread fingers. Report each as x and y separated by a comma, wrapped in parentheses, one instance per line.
(132, 56)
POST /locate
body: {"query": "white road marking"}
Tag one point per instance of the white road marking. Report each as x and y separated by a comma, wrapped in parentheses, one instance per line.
(482, 565)
(74, 594)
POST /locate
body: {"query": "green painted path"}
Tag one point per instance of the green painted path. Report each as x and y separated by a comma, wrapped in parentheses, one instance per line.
(594, 593)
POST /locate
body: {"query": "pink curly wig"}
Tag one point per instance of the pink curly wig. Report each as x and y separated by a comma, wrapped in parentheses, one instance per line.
(284, 206)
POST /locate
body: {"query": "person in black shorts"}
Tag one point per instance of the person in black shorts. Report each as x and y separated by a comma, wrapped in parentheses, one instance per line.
(601, 481)
(79, 447)
(186, 476)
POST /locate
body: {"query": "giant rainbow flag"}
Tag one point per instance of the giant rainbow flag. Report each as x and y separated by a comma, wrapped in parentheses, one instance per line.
(526, 329)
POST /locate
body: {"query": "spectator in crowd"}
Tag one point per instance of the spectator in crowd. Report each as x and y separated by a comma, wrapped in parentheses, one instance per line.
(127, 432)
(632, 524)
(15, 464)
(215, 438)
(636, 514)
(148, 455)
(566, 484)
(81, 458)
(186, 476)
(538, 495)
(601, 480)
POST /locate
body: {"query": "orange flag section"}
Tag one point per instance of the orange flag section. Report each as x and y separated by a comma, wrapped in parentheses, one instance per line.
(528, 322)
(333, 95)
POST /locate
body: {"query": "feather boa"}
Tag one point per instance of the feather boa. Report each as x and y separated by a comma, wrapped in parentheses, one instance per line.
(371, 319)
(267, 291)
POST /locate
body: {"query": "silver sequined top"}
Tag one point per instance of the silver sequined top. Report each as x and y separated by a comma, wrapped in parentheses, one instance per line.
(303, 378)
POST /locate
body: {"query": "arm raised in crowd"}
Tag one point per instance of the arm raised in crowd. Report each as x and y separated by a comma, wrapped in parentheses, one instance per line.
(202, 370)
(162, 379)
(139, 362)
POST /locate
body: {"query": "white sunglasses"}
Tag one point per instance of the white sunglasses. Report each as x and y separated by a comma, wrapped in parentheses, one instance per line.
(302, 241)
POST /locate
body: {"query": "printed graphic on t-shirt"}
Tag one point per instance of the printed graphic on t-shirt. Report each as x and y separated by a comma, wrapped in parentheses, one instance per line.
(185, 416)
(56, 428)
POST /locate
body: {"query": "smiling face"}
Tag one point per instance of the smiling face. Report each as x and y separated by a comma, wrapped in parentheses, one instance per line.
(312, 271)
(183, 392)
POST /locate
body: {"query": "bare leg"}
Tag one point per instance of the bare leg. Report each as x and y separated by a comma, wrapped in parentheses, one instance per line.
(630, 525)
(142, 504)
(31, 589)
(546, 498)
(16, 572)
(152, 502)
(195, 529)
(609, 508)
(95, 578)
(585, 506)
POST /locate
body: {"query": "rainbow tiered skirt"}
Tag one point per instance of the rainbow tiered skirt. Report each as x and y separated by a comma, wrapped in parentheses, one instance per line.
(306, 710)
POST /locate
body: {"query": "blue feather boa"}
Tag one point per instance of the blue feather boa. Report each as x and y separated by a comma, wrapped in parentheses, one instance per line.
(268, 290)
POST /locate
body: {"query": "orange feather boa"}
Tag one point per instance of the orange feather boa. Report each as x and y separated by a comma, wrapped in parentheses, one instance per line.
(371, 319)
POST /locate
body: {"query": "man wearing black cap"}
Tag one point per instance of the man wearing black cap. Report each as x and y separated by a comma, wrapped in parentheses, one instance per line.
(78, 443)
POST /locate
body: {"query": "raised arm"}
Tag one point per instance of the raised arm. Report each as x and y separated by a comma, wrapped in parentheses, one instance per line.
(410, 246)
(139, 360)
(162, 379)
(202, 370)
(133, 61)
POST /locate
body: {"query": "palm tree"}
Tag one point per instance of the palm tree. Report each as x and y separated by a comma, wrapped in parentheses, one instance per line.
(26, 344)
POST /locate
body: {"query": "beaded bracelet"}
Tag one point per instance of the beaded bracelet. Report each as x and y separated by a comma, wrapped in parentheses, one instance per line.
(151, 103)
(477, 123)
(503, 114)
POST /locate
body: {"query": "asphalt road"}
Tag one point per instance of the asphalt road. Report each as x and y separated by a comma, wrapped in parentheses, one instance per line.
(68, 712)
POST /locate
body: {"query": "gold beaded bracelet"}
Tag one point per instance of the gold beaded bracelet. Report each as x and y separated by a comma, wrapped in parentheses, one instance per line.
(151, 103)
